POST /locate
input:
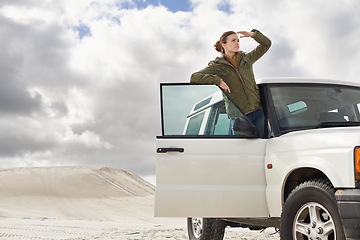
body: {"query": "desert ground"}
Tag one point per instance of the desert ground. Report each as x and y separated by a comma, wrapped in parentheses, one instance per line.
(83, 203)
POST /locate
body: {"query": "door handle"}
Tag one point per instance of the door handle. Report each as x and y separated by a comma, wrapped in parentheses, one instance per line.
(165, 150)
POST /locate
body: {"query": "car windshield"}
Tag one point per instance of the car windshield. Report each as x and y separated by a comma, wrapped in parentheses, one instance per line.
(305, 106)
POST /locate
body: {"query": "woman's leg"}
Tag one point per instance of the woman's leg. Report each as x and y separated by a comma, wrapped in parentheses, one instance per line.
(258, 119)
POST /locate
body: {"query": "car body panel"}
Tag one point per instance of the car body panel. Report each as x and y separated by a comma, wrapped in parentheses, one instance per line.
(228, 181)
(316, 149)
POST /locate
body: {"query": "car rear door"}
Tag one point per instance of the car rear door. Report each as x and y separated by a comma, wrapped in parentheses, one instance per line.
(205, 171)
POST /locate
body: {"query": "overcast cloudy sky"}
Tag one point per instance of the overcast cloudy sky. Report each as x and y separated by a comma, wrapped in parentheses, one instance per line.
(80, 79)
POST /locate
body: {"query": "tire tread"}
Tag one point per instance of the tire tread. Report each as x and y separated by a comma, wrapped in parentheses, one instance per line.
(321, 186)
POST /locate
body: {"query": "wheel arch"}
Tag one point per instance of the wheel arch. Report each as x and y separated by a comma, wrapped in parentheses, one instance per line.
(299, 176)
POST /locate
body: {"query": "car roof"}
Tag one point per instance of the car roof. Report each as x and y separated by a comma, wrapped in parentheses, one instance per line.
(305, 80)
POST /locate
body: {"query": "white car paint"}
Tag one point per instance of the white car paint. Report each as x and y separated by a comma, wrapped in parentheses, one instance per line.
(319, 149)
(228, 181)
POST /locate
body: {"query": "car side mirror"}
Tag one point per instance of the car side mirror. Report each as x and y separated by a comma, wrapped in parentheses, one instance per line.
(245, 128)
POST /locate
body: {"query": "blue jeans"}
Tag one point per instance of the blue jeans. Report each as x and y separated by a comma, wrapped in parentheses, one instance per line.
(257, 118)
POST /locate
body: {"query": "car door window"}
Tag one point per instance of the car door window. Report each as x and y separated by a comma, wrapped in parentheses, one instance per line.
(191, 109)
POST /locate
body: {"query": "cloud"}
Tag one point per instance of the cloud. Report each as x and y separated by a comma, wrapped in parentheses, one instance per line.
(17, 138)
(315, 36)
(80, 80)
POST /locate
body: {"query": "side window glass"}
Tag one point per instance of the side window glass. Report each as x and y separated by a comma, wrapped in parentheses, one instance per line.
(219, 122)
(305, 106)
(223, 125)
(190, 109)
(194, 124)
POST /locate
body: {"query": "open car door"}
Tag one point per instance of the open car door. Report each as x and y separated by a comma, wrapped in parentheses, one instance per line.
(202, 169)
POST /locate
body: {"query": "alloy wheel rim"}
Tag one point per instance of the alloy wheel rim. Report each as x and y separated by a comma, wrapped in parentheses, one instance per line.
(197, 227)
(313, 222)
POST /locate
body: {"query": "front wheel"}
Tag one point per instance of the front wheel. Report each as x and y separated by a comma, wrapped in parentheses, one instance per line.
(205, 229)
(311, 212)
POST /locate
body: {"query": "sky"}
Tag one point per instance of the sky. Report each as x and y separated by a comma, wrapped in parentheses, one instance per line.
(80, 79)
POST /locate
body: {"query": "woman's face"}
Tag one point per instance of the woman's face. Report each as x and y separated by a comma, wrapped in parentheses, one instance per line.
(232, 44)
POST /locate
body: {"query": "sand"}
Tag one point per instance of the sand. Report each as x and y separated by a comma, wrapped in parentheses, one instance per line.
(80, 203)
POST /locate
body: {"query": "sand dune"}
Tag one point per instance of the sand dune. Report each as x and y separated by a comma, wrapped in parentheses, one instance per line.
(86, 203)
(74, 193)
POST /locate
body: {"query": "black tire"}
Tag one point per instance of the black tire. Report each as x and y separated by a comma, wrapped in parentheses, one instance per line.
(205, 229)
(312, 199)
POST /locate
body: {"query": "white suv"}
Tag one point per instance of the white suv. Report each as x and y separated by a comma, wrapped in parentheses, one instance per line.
(302, 177)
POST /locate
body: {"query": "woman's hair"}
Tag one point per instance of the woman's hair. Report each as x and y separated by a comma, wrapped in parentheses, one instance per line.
(223, 39)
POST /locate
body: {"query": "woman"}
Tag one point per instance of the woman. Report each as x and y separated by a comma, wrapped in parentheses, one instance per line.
(233, 72)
